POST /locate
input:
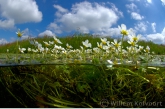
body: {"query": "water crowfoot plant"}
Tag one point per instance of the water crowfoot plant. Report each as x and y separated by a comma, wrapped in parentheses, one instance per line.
(19, 35)
(62, 73)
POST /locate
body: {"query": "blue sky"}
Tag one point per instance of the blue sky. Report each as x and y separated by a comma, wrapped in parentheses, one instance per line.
(64, 17)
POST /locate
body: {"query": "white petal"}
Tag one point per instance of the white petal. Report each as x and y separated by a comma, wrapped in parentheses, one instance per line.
(123, 26)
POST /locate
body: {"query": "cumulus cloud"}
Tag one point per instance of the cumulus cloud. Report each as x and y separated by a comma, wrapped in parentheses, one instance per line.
(149, 1)
(112, 32)
(7, 23)
(53, 26)
(136, 16)
(86, 16)
(131, 7)
(133, 10)
(60, 10)
(134, 0)
(163, 32)
(141, 27)
(153, 25)
(163, 2)
(115, 9)
(46, 33)
(158, 38)
(3, 41)
(19, 11)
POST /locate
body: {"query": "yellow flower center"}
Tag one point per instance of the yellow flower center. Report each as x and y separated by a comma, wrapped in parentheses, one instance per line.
(135, 39)
(19, 34)
(133, 43)
(55, 41)
(147, 50)
(46, 45)
(104, 42)
(100, 46)
(116, 45)
(124, 32)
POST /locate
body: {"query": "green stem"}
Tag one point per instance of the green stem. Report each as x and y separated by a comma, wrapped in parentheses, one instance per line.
(17, 52)
(121, 52)
(135, 74)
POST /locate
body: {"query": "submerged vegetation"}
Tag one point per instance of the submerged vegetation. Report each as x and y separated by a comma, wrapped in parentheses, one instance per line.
(84, 71)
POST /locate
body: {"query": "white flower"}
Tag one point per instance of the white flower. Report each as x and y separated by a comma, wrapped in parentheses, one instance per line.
(46, 43)
(106, 47)
(99, 45)
(41, 49)
(116, 44)
(88, 51)
(123, 29)
(61, 48)
(87, 44)
(141, 48)
(22, 49)
(104, 41)
(19, 33)
(29, 49)
(68, 46)
(96, 50)
(147, 50)
(51, 42)
(7, 50)
(46, 49)
(132, 43)
(64, 52)
(56, 46)
(57, 40)
(39, 45)
(33, 50)
(133, 37)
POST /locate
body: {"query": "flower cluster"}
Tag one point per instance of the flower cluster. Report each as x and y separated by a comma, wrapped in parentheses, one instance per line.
(111, 52)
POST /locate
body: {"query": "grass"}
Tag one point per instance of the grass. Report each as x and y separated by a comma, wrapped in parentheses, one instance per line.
(82, 79)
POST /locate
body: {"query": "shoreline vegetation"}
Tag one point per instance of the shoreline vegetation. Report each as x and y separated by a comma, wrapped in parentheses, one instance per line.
(78, 38)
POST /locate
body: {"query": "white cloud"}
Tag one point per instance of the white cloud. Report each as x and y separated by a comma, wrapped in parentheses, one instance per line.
(163, 2)
(61, 9)
(163, 32)
(24, 37)
(136, 16)
(149, 1)
(158, 38)
(134, 0)
(46, 33)
(131, 7)
(3, 41)
(7, 23)
(53, 26)
(115, 9)
(19, 11)
(112, 32)
(141, 27)
(88, 17)
(153, 26)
